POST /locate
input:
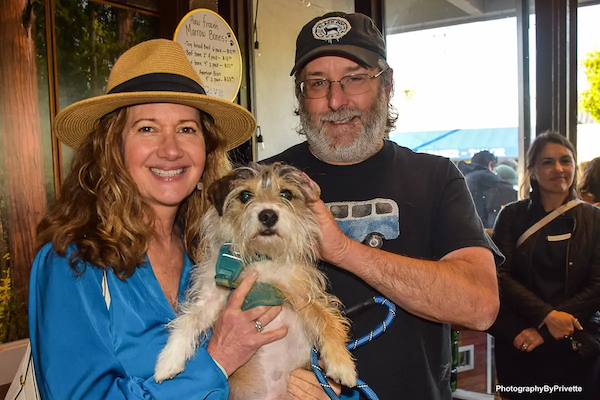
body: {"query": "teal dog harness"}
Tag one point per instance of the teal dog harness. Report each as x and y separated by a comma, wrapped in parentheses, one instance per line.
(228, 269)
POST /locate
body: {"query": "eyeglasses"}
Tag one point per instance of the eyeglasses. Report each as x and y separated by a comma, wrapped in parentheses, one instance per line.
(351, 84)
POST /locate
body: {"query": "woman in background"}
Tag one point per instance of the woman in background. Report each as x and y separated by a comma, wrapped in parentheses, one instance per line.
(589, 184)
(550, 283)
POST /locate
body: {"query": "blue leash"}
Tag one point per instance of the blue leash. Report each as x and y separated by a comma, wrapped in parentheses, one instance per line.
(360, 385)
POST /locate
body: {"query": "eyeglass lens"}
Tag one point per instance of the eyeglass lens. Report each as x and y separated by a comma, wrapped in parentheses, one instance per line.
(351, 84)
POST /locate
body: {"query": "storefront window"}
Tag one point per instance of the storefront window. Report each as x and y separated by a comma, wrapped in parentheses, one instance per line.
(90, 37)
(455, 83)
(588, 83)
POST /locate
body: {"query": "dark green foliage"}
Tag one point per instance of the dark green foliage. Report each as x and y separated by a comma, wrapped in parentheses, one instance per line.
(88, 43)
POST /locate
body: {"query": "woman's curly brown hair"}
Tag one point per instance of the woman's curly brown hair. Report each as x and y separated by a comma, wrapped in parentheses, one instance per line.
(100, 210)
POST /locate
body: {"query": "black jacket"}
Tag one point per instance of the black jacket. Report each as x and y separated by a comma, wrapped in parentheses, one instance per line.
(519, 307)
(489, 192)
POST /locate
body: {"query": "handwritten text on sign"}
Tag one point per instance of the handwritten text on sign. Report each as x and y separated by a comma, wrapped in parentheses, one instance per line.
(212, 49)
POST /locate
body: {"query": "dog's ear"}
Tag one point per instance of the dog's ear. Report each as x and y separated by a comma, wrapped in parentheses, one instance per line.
(219, 190)
(313, 190)
(309, 188)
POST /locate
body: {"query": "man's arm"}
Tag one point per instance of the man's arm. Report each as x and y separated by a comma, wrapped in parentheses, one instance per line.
(460, 288)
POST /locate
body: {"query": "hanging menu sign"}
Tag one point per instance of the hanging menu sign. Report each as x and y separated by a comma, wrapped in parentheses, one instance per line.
(213, 51)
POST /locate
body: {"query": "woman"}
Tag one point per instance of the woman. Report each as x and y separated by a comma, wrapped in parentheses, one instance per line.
(549, 284)
(589, 185)
(128, 216)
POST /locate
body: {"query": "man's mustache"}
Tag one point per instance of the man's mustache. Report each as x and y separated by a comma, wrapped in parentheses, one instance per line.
(341, 115)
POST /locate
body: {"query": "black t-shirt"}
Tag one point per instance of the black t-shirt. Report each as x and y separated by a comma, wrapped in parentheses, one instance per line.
(421, 207)
(549, 258)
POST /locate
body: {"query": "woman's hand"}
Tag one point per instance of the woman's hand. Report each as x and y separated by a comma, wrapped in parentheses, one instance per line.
(561, 324)
(528, 339)
(303, 384)
(235, 337)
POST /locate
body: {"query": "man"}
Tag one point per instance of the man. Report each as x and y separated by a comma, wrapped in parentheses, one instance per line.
(425, 247)
(489, 191)
(508, 174)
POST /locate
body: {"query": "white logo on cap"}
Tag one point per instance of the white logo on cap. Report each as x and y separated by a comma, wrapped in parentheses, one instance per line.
(331, 28)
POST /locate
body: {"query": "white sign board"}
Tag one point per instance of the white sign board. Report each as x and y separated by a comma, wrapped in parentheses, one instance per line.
(213, 51)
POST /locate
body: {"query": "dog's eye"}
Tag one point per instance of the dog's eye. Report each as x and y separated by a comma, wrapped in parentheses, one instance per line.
(245, 196)
(286, 194)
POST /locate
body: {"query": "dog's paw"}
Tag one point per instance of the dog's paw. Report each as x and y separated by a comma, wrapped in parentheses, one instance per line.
(343, 373)
(167, 367)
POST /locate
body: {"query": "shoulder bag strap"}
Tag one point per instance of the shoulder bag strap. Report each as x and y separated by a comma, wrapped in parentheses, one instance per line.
(24, 385)
(544, 221)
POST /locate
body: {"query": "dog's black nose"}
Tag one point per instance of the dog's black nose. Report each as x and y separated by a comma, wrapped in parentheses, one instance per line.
(268, 218)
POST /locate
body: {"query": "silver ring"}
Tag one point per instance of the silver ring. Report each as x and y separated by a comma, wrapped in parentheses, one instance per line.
(258, 326)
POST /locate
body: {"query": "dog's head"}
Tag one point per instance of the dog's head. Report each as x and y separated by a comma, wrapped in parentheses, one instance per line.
(263, 209)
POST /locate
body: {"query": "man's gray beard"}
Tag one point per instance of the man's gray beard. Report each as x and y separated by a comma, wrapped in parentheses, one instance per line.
(367, 142)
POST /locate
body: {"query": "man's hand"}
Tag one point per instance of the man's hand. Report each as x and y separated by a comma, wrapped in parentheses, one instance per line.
(335, 242)
(303, 384)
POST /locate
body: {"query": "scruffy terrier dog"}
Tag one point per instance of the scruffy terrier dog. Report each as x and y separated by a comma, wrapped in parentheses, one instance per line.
(263, 211)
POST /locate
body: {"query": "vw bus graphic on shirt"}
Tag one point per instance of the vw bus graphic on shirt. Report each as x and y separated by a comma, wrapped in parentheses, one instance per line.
(370, 222)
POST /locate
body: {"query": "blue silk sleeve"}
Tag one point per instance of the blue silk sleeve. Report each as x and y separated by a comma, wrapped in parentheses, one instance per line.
(82, 350)
(349, 394)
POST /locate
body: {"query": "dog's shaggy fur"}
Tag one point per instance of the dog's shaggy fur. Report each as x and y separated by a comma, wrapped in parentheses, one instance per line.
(263, 211)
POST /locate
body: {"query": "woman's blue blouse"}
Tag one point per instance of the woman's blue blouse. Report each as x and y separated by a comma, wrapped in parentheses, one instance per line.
(82, 350)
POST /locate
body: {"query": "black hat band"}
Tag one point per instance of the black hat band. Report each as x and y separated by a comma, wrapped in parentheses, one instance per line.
(159, 82)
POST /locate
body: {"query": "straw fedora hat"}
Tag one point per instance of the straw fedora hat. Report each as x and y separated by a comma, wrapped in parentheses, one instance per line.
(155, 71)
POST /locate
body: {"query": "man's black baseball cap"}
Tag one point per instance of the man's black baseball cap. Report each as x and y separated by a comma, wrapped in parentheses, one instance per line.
(353, 36)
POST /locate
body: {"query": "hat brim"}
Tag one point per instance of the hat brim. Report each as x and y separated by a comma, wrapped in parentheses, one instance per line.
(355, 53)
(73, 124)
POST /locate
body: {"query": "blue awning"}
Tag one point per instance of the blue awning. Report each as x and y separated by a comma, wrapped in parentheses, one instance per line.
(461, 143)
